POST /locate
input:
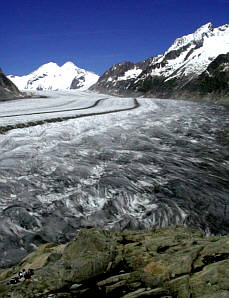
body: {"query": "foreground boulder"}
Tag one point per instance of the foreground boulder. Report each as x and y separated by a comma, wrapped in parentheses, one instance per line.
(166, 262)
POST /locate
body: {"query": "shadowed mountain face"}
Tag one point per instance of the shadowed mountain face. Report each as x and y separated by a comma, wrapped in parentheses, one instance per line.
(213, 83)
(194, 67)
(7, 89)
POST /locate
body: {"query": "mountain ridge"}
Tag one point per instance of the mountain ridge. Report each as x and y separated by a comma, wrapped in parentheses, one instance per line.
(51, 76)
(166, 75)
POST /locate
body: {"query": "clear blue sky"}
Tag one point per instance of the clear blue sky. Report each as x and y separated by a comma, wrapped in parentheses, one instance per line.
(95, 34)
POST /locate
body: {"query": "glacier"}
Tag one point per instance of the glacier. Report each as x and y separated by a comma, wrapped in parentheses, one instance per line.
(162, 163)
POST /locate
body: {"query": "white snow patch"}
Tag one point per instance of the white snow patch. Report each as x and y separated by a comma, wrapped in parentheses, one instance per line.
(131, 74)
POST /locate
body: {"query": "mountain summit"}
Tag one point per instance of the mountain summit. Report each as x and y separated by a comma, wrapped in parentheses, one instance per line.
(51, 76)
(166, 75)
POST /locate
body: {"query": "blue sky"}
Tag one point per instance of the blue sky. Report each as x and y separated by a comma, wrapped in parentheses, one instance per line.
(97, 34)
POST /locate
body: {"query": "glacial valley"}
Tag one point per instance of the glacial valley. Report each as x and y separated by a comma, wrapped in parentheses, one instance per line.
(117, 166)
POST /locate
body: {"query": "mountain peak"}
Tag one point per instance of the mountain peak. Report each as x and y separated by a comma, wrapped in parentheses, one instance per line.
(198, 35)
(51, 76)
(205, 28)
(68, 65)
(202, 31)
(186, 59)
(50, 66)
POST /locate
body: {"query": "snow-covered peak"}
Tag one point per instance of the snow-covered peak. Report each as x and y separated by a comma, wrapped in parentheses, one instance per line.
(51, 76)
(192, 53)
(205, 28)
(48, 67)
(185, 59)
(69, 66)
(198, 35)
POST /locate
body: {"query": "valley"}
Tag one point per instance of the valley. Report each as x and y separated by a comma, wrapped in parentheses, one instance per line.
(162, 163)
(114, 149)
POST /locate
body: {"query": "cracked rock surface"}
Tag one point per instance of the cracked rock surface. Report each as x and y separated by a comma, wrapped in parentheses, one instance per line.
(166, 262)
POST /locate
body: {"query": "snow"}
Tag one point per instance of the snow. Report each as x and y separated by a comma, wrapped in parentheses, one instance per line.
(194, 60)
(225, 66)
(33, 143)
(50, 76)
(59, 104)
(131, 74)
(196, 36)
(104, 169)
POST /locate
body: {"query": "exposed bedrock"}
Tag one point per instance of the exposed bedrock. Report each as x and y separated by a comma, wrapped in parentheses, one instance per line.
(168, 262)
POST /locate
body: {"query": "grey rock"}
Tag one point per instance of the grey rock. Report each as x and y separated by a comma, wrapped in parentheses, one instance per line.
(7, 89)
(81, 266)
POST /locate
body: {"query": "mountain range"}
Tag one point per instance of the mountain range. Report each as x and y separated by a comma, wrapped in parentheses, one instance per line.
(51, 76)
(196, 66)
(181, 72)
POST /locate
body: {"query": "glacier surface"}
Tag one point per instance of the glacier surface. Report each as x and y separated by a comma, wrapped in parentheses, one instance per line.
(165, 162)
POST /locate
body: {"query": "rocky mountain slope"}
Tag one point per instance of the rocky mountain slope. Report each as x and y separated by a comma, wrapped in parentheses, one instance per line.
(213, 83)
(171, 74)
(7, 89)
(50, 76)
(168, 262)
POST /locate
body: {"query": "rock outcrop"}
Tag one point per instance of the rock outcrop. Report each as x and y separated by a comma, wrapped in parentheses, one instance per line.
(7, 89)
(168, 262)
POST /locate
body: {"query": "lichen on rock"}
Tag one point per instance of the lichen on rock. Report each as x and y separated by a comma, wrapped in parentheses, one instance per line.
(164, 262)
